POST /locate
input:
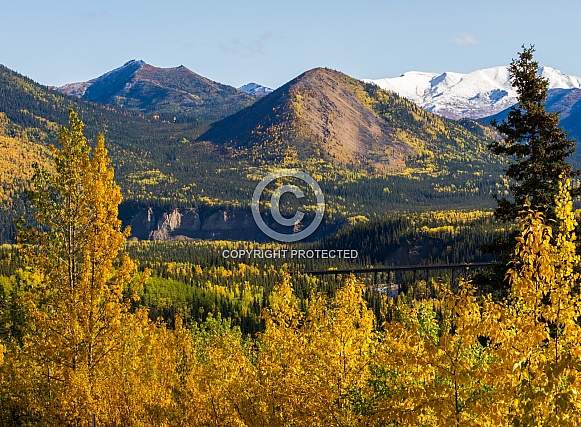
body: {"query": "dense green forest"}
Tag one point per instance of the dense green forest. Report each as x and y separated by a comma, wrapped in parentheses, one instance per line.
(194, 279)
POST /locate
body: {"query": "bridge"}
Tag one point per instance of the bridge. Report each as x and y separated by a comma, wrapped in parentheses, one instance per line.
(392, 284)
(461, 266)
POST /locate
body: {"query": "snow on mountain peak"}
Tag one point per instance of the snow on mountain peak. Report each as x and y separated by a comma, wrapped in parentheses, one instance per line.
(559, 80)
(255, 89)
(478, 94)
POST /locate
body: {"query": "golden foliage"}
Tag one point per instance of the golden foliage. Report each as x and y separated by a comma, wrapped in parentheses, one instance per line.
(17, 156)
(84, 356)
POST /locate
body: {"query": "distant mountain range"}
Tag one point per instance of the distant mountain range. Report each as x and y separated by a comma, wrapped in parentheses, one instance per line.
(326, 114)
(177, 92)
(169, 92)
(475, 95)
(486, 94)
(567, 102)
(182, 140)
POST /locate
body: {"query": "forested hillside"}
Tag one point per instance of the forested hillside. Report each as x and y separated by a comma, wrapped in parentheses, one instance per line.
(78, 347)
(328, 114)
(166, 164)
(194, 279)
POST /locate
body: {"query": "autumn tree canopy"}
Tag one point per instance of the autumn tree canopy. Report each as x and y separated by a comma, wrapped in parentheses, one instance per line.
(76, 302)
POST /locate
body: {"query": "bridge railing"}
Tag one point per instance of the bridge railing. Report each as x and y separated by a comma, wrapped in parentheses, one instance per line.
(391, 280)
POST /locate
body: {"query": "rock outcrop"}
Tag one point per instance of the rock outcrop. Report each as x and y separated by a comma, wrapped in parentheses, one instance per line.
(188, 224)
(176, 225)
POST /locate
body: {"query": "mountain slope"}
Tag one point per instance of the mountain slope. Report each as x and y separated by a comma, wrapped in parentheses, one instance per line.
(138, 86)
(567, 102)
(328, 114)
(317, 114)
(474, 95)
(572, 124)
(30, 117)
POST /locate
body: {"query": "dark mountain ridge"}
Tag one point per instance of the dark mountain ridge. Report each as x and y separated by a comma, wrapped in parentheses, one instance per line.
(170, 92)
(566, 102)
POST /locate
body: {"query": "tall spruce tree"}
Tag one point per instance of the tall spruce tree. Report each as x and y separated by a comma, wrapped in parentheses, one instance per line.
(538, 149)
(533, 139)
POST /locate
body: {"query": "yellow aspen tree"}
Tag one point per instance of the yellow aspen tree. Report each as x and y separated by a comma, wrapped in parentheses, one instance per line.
(279, 362)
(141, 376)
(19, 374)
(538, 339)
(219, 389)
(311, 364)
(431, 368)
(339, 336)
(77, 308)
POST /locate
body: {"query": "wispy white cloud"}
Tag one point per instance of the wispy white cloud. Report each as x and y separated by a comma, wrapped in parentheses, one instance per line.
(186, 45)
(249, 48)
(90, 15)
(465, 38)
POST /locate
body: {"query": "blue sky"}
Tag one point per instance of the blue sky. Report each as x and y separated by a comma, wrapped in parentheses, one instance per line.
(271, 42)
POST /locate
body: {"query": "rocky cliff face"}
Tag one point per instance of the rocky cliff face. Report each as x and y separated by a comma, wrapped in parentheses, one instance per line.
(186, 224)
(175, 225)
(229, 221)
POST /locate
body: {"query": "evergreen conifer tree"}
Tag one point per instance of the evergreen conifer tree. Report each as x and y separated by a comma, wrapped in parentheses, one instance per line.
(533, 138)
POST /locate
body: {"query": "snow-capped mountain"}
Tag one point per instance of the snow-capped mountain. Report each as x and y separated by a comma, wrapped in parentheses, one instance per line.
(475, 95)
(255, 89)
